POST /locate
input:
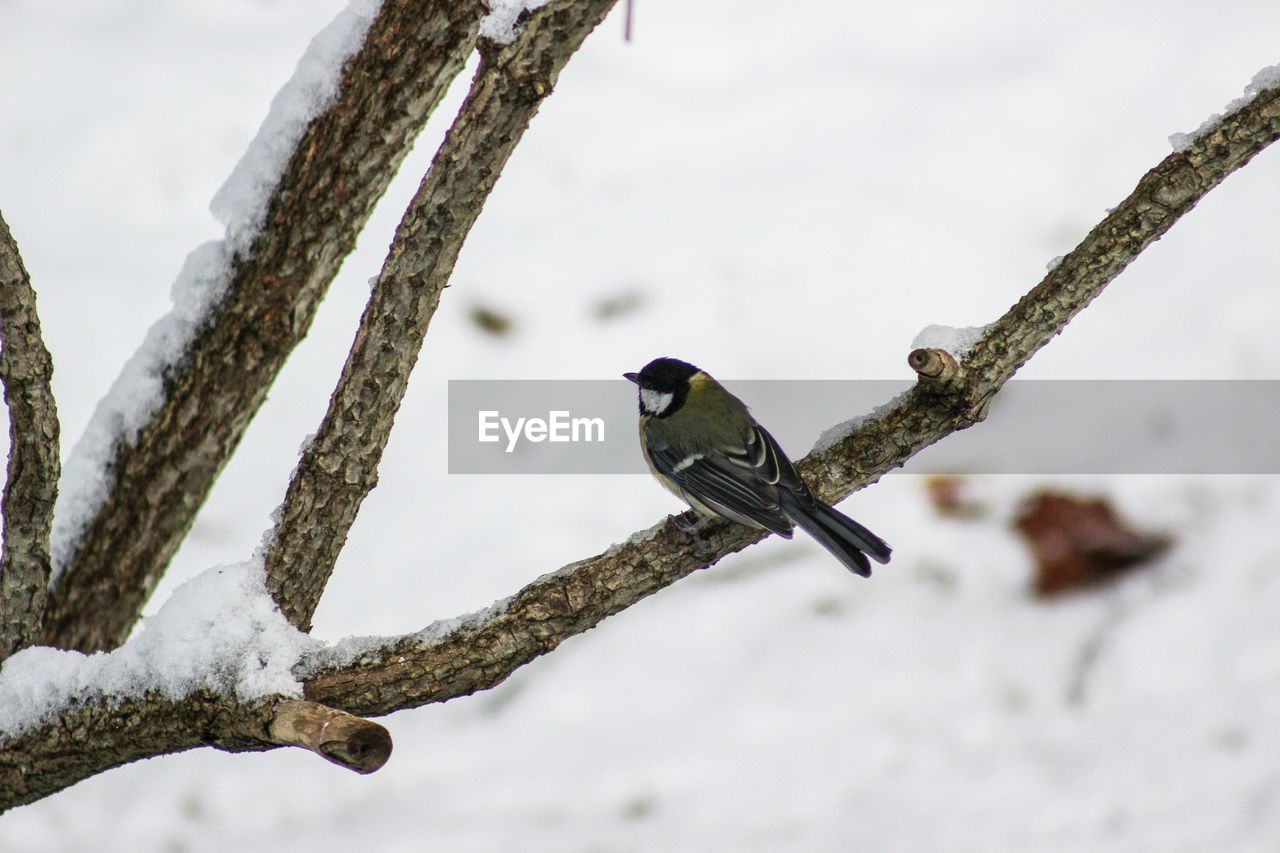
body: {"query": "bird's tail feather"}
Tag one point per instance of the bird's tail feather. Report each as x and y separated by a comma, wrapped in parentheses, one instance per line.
(847, 540)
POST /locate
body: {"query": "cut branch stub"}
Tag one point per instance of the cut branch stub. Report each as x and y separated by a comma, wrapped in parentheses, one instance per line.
(348, 741)
(933, 364)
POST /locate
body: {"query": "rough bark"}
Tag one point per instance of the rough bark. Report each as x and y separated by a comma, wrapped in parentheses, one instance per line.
(73, 748)
(32, 484)
(339, 467)
(339, 169)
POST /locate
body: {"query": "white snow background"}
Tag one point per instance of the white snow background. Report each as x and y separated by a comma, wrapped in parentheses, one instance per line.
(789, 194)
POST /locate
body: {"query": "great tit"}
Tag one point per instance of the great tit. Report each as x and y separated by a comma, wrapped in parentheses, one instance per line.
(702, 444)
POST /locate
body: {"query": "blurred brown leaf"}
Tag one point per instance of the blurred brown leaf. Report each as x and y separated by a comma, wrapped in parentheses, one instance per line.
(947, 494)
(1081, 543)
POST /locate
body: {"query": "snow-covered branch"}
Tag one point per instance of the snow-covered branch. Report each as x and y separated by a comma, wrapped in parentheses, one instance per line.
(89, 739)
(339, 466)
(214, 667)
(368, 677)
(31, 486)
(334, 139)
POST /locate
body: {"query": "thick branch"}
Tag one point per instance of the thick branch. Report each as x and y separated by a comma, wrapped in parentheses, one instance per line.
(480, 651)
(338, 170)
(32, 484)
(339, 468)
(74, 747)
(103, 735)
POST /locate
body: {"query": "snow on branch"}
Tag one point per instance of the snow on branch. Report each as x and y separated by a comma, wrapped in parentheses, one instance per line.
(1267, 78)
(219, 632)
(501, 25)
(241, 204)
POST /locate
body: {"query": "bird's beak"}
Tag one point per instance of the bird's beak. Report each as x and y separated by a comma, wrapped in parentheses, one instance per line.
(632, 377)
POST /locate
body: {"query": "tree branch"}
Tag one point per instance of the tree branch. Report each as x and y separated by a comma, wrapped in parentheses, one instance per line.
(1161, 198)
(413, 670)
(88, 740)
(480, 651)
(32, 484)
(340, 466)
(339, 168)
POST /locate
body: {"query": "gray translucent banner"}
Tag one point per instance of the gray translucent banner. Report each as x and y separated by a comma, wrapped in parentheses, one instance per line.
(1034, 427)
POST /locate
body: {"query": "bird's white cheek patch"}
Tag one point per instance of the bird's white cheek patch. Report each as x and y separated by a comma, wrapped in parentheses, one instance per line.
(654, 402)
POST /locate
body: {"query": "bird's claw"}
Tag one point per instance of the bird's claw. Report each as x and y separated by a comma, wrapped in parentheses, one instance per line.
(692, 523)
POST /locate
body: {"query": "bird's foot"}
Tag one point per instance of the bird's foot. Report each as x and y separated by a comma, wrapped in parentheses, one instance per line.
(690, 522)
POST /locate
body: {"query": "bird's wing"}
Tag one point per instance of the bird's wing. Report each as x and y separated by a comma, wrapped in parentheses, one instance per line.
(763, 453)
(741, 484)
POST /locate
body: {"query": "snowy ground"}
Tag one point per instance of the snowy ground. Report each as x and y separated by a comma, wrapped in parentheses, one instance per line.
(860, 170)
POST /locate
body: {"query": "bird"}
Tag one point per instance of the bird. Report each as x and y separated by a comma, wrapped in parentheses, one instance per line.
(702, 444)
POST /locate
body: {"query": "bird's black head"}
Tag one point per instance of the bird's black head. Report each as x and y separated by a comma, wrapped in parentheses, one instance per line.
(664, 385)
